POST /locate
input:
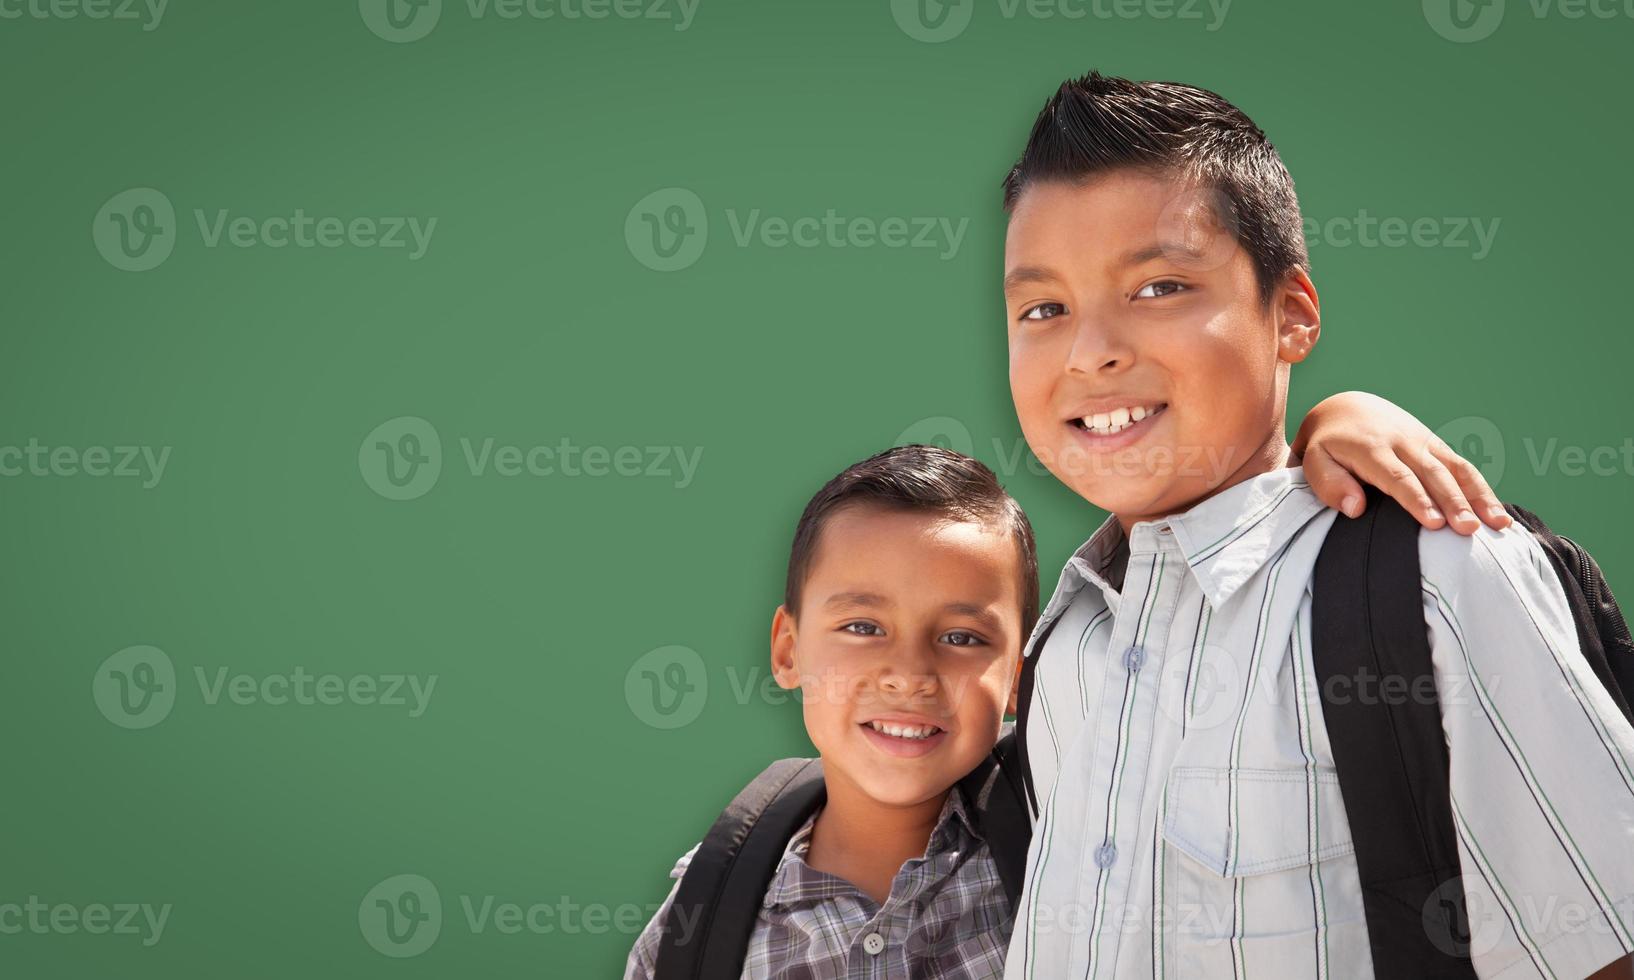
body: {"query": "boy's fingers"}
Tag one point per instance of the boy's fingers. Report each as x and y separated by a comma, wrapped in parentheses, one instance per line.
(1383, 468)
(1333, 484)
(1480, 495)
(1448, 495)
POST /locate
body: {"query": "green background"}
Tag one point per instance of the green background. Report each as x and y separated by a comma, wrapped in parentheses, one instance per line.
(533, 776)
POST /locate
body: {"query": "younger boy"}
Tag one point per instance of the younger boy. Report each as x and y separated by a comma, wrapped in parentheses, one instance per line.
(911, 583)
(1192, 824)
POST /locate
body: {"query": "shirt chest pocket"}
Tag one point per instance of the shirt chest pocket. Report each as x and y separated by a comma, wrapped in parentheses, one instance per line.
(1257, 865)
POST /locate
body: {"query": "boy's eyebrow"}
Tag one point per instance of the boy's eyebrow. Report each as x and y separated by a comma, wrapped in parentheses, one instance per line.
(856, 599)
(1181, 251)
(974, 612)
(1022, 275)
(874, 600)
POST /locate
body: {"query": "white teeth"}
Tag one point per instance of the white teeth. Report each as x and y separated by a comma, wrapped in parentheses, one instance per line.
(1108, 423)
(904, 731)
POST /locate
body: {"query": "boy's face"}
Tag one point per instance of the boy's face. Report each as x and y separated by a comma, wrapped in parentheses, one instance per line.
(910, 621)
(1124, 293)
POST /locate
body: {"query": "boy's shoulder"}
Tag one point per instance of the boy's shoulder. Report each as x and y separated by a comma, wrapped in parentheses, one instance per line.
(1488, 564)
(684, 862)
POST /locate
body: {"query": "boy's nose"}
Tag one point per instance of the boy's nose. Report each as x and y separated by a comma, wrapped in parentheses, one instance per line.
(908, 676)
(1098, 348)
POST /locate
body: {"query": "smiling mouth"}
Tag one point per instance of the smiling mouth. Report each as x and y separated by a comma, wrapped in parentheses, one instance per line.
(1113, 422)
(909, 733)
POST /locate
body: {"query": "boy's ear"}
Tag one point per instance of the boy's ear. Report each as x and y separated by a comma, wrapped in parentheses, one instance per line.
(783, 667)
(1299, 316)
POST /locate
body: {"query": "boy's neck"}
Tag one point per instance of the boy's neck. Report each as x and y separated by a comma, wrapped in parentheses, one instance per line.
(1273, 455)
(866, 842)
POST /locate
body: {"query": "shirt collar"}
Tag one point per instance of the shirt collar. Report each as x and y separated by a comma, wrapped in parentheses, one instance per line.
(796, 881)
(1225, 540)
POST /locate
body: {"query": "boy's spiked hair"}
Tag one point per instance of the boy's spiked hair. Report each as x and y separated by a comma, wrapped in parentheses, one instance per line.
(1099, 123)
(921, 479)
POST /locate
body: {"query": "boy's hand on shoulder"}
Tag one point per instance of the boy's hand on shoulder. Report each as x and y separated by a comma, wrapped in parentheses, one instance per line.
(1354, 436)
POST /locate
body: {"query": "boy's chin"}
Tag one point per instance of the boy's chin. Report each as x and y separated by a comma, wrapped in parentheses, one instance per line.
(1134, 496)
(903, 791)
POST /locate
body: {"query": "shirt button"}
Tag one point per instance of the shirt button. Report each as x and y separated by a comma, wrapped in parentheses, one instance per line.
(873, 944)
(1134, 657)
(1105, 855)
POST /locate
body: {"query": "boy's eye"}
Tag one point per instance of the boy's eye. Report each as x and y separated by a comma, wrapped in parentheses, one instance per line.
(863, 629)
(961, 638)
(1157, 290)
(1044, 311)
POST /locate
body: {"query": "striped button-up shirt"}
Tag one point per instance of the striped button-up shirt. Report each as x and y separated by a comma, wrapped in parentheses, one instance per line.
(1191, 822)
(946, 916)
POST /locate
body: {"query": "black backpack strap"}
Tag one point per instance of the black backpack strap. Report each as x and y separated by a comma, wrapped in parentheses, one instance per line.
(1602, 632)
(1024, 700)
(996, 792)
(713, 916)
(1367, 624)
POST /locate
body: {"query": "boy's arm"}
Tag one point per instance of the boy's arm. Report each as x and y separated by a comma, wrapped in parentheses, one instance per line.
(643, 959)
(1541, 761)
(1357, 436)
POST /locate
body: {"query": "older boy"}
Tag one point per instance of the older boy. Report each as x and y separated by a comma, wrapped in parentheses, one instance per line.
(1192, 825)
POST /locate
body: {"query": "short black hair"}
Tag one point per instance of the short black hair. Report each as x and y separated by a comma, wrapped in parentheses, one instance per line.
(920, 479)
(1099, 123)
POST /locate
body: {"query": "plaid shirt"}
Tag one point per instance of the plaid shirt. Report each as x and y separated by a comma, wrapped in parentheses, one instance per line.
(946, 916)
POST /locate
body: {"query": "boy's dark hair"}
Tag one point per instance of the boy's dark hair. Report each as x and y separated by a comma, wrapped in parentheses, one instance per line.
(921, 479)
(1099, 123)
